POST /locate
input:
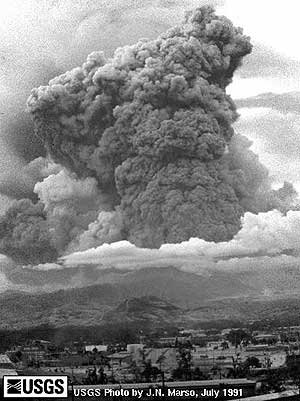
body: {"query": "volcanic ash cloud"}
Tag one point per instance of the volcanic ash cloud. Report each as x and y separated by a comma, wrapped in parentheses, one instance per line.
(151, 126)
(141, 148)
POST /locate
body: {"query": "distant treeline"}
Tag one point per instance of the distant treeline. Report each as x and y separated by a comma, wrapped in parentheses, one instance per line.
(126, 332)
(113, 333)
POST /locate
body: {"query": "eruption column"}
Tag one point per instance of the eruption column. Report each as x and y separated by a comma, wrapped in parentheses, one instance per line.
(152, 125)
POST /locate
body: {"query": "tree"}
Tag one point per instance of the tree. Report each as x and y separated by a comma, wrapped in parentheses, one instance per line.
(235, 337)
(252, 362)
(198, 375)
(275, 381)
(16, 356)
(184, 358)
(294, 373)
(136, 371)
(147, 372)
(160, 360)
(150, 372)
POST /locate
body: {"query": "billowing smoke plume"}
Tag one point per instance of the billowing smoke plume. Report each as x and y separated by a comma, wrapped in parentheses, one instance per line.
(255, 188)
(62, 33)
(108, 226)
(152, 125)
(24, 233)
(143, 148)
(70, 205)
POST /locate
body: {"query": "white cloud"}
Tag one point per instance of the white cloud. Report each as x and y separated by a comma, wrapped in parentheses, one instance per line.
(264, 234)
(45, 267)
(273, 23)
(64, 186)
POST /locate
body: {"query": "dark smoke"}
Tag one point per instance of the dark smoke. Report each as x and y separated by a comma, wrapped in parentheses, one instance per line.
(145, 149)
(25, 234)
(153, 123)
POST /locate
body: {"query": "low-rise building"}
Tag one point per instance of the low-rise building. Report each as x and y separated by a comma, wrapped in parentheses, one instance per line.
(95, 348)
(7, 368)
(119, 359)
(163, 358)
(134, 348)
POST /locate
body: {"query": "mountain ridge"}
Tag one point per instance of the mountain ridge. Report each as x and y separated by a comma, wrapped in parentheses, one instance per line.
(190, 297)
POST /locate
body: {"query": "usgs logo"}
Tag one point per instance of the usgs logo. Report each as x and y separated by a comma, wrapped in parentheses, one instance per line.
(35, 386)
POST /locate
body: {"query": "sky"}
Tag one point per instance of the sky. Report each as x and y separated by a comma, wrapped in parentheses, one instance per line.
(274, 28)
(40, 39)
(273, 67)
